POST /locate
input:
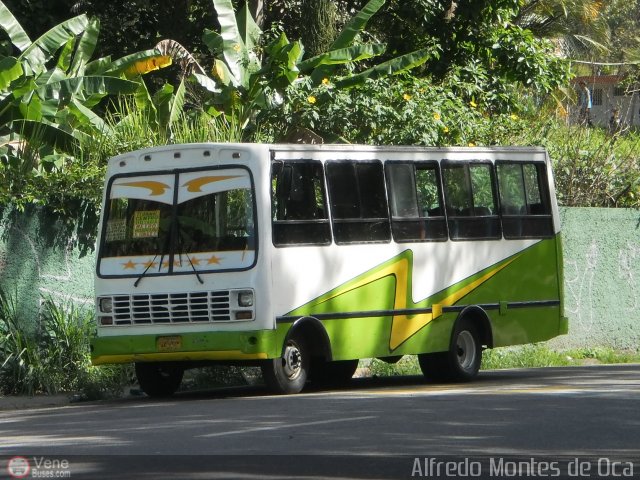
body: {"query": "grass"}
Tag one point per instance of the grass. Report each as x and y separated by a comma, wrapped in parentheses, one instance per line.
(52, 355)
(526, 356)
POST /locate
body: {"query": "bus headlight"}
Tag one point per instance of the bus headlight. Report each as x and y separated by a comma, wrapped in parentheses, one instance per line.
(245, 298)
(106, 305)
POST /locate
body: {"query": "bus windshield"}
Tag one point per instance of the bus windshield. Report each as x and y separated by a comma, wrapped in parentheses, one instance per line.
(176, 223)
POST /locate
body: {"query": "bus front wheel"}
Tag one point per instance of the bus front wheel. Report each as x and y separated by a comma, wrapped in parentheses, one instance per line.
(158, 380)
(288, 374)
(461, 362)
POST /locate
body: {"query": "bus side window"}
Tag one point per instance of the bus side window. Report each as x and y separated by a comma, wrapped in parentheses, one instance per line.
(358, 202)
(524, 200)
(470, 198)
(415, 201)
(299, 204)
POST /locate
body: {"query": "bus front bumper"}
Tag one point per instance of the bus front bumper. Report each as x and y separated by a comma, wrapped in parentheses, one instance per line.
(184, 347)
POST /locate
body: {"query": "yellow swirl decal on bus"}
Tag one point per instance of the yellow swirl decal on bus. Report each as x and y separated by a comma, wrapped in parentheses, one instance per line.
(196, 184)
(155, 188)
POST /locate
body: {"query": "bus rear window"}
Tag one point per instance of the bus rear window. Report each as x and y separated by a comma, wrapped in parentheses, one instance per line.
(524, 200)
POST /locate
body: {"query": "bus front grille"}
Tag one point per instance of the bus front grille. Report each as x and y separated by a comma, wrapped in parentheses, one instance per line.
(159, 308)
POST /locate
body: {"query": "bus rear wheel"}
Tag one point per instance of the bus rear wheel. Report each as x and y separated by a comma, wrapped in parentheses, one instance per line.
(288, 374)
(461, 362)
(157, 380)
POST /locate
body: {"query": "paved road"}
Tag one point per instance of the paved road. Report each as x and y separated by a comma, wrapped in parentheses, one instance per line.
(381, 425)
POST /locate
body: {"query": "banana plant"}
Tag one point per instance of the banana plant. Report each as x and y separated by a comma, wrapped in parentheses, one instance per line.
(247, 80)
(50, 85)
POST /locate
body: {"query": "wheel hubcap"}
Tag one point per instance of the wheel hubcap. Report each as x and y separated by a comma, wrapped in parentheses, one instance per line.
(466, 349)
(292, 361)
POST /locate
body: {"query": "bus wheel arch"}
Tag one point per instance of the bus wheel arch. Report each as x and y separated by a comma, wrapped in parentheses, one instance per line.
(315, 335)
(478, 316)
(471, 333)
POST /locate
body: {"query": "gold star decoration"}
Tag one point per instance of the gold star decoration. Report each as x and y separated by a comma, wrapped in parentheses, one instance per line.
(129, 265)
(213, 260)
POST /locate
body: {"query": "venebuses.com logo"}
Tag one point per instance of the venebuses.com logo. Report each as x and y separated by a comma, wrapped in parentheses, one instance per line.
(38, 467)
(18, 467)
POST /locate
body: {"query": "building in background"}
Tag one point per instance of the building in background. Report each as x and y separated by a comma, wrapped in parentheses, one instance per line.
(608, 92)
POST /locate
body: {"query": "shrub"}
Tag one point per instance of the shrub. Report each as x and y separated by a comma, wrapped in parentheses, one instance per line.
(53, 357)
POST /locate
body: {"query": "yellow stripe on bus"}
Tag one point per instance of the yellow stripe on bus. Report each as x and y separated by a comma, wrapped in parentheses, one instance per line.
(178, 356)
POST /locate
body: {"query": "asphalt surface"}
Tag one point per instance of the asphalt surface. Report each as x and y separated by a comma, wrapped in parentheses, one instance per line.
(375, 428)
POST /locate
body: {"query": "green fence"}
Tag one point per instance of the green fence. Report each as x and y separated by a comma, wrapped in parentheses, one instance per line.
(40, 259)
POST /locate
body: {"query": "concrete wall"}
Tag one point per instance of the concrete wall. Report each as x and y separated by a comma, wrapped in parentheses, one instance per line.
(38, 260)
(602, 277)
(602, 271)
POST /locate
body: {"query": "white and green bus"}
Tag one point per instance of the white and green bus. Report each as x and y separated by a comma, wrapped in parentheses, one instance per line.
(303, 259)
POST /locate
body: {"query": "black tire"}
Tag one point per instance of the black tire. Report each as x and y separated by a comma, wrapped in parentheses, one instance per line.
(288, 374)
(462, 362)
(332, 373)
(157, 380)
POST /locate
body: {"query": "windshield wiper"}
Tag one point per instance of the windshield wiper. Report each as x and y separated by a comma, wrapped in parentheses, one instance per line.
(162, 253)
(181, 247)
(192, 267)
(135, 284)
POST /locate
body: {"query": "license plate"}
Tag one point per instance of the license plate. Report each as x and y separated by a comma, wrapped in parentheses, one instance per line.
(169, 344)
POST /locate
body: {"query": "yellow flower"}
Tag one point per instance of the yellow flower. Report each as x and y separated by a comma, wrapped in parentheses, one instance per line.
(514, 117)
(445, 129)
(471, 144)
(311, 99)
(407, 97)
(325, 81)
(237, 47)
(436, 116)
(473, 104)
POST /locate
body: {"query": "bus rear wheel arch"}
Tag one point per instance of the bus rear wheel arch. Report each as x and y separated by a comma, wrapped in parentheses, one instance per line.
(461, 362)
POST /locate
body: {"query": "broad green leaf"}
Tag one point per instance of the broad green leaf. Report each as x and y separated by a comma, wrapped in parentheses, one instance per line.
(9, 24)
(86, 47)
(10, 70)
(142, 97)
(234, 48)
(205, 82)
(98, 66)
(356, 24)
(343, 55)
(45, 47)
(162, 101)
(41, 132)
(89, 85)
(64, 59)
(177, 104)
(32, 109)
(222, 73)
(50, 76)
(87, 116)
(249, 31)
(213, 41)
(395, 66)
